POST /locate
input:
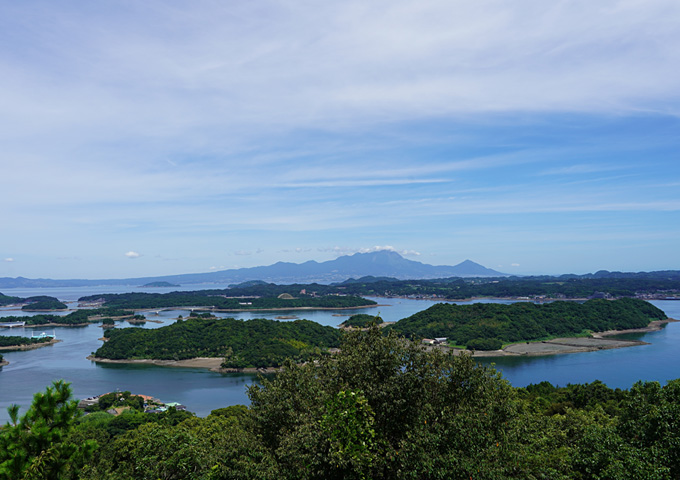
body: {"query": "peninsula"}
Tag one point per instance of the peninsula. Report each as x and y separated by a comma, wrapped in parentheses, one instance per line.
(489, 326)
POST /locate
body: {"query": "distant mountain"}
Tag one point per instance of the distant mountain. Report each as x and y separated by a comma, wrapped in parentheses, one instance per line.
(383, 263)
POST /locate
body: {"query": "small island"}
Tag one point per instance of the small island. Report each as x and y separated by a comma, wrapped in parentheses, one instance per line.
(77, 318)
(227, 343)
(361, 320)
(14, 343)
(3, 362)
(159, 285)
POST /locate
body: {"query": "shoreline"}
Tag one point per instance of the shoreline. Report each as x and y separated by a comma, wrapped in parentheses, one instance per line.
(32, 346)
(4, 363)
(211, 363)
(236, 310)
(47, 325)
(554, 346)
(597, 341)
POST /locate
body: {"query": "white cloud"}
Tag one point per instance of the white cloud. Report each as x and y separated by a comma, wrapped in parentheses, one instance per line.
(350, 250)
(248, 252)
(132, 254)
(514, 264)
(9, 259)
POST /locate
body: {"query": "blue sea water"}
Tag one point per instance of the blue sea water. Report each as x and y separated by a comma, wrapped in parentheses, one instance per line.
(202, 391)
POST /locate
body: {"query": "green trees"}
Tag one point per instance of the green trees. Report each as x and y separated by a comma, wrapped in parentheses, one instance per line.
(36, 445)
(383, 408)
(361, 320)
(525, 321)
(253, 343)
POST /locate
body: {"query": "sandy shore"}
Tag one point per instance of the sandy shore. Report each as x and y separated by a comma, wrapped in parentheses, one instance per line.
(598, 341)
(211, 363)
(33, 346)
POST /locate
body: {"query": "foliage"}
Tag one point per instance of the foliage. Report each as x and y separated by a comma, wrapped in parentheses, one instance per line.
(8, 300)
(43, 302)
(526, 321)
(36, 446)
(225, 299)
(361, 320)
(407, 413)
(253, 343)
(14, 341)
(484, 344)
(386, 408)
(77, 317)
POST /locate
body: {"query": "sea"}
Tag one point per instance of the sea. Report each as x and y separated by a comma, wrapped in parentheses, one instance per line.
(202, 391)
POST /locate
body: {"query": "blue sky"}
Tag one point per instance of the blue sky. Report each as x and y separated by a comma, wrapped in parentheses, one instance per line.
(151, 138)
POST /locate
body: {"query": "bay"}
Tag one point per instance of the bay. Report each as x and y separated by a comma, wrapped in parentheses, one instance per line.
(202, 391)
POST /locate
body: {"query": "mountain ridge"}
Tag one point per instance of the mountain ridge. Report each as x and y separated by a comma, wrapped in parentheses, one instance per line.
(383, 263)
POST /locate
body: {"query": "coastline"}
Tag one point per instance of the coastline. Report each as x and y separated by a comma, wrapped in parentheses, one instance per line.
(48, 325)
(211, 363)
(33, 346)
(4, 363)
(547, 347)
(236, 310)
(555, 346)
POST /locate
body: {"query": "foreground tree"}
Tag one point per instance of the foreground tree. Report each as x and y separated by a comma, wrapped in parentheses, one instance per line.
(385, 408)
(36, 446)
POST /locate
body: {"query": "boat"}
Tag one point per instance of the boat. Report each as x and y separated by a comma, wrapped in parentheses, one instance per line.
(12, 324)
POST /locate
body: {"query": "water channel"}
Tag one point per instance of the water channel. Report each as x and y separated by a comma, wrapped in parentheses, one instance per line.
(202, 391)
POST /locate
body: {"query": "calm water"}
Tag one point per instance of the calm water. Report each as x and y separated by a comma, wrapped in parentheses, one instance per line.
(203, 391)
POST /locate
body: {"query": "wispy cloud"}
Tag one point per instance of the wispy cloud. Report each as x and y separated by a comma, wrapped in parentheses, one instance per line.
(184, 128)
(351, 250)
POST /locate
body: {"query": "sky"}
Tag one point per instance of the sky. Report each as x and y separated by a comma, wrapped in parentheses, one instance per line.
(167, 137)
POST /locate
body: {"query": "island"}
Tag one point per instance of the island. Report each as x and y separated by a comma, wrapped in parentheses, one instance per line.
(14, 343)
(3, 362)
(233, 345)
(77, 318)
(225, 300)
(361, 320)
(40, 302)
(487, 327)
(159, 285)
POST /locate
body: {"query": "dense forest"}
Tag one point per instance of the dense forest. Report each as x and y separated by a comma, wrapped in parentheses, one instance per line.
(14, 341)
(77, 317)
(7, 300)
(256, 343)
(218, 299)
(521, 321)
(549, 287)
(381, 409)
(41, 302)
(361, 320)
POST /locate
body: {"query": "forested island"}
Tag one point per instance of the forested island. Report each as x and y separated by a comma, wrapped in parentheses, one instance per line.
(382, 408)
(257, 343)
(227, 300)
(486, 326)
(40, 302)
(159, 285)
(23, 343)
(75, 318)
(361, 320)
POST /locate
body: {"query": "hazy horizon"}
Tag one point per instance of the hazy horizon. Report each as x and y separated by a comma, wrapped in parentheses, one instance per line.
(156, 138)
